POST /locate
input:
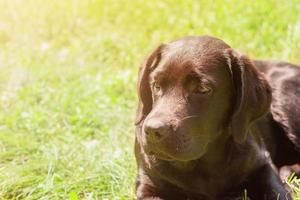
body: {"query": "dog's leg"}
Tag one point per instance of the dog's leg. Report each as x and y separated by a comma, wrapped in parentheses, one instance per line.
(146, 192)
(287, 170)
(145, 189)
(266, 185)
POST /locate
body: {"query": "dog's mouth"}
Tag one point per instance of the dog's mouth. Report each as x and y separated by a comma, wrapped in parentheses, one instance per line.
(161, 156)
(184, 144)
(181, 153)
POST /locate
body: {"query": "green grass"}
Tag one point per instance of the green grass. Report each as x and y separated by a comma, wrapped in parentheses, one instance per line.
(68, 82)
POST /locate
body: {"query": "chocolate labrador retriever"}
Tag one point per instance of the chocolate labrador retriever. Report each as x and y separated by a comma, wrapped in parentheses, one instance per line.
(208, 127)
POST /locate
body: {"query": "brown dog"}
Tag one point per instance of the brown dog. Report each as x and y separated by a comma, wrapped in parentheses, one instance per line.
(204, 128)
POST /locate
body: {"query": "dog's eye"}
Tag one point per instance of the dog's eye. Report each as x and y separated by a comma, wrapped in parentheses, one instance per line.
(201, 88)
(156, 87)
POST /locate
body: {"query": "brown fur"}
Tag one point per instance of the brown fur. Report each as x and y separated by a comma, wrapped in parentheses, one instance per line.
(204, 128)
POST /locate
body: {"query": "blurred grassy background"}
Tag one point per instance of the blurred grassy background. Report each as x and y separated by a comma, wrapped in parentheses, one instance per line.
(68, 78)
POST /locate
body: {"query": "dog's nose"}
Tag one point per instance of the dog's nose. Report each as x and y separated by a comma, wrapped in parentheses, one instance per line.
(156, 130)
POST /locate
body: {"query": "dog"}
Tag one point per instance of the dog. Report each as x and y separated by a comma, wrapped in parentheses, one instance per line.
(212, 123)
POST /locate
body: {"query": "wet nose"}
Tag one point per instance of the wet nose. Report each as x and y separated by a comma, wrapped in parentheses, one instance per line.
(156, 130)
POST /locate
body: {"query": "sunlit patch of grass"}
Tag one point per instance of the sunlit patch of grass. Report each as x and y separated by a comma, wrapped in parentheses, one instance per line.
(67, 82)
(294, 183)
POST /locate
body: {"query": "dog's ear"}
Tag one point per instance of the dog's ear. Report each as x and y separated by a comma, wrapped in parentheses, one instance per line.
(144, 89)
(252, 94)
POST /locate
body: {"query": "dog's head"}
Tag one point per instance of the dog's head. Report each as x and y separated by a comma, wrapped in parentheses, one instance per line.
(191, 92)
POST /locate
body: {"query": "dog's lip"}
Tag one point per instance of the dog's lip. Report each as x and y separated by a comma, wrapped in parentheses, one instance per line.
(161, 156)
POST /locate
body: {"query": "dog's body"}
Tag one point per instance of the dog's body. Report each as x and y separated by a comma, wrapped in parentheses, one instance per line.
(205, 129)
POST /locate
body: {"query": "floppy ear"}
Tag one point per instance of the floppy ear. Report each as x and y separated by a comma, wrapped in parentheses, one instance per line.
(144, 89)
(252, 94)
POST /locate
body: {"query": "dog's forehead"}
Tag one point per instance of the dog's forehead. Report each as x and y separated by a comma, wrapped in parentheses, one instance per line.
(185, 55)
(196, 46)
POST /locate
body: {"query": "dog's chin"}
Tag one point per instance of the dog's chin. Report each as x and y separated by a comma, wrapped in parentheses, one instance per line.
(181, 157)
(161, 156)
